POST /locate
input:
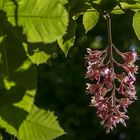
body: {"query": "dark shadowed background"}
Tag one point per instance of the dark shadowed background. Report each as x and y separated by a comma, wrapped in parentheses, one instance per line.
(61, 85)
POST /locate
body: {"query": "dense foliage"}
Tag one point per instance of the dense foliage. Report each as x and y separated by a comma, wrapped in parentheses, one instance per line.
(30, 33)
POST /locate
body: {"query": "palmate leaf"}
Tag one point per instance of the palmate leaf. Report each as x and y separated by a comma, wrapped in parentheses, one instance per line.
(136, 24)
(40, 125)
(42, 20)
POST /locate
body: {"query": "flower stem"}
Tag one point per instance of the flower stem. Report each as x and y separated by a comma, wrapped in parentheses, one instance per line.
(120, 53)
(110, 44)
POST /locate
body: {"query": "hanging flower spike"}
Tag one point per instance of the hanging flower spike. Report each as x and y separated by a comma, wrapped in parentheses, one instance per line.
(111, 109)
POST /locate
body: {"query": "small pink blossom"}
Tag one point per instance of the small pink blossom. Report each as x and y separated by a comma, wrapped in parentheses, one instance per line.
(111, 109)
(130, 57)
(132, 69)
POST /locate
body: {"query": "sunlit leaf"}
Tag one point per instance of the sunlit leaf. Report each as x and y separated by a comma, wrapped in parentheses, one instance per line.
(1, 3)
(63, 1)
(66, 45)
(27, 100)
(37, 53)
(11, 118)
(90, 19)
(42, 20)
(129, 1)
(136, 24)
(10, 65)
(117, 10)
(40, 125)
(66, 42)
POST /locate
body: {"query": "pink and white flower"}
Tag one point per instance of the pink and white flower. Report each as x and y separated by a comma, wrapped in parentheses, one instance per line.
(111, 109)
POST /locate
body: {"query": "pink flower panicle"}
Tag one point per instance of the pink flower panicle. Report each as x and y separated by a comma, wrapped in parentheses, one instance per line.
(110, 99)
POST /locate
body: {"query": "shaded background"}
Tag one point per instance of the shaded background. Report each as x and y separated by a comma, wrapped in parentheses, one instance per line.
(61, 85)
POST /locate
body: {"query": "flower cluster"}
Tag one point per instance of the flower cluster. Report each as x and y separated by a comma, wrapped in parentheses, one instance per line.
(111, 92)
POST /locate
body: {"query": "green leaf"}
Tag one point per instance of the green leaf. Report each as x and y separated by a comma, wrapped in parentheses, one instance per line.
(65, 46)
(42, 20)
(18, 78)
(90, 19)
(16, 71)
(129, 1)
(134, 7)
(40, 125)
(9, 129)
(136, 24)
(11, 118)
(1, 137)
(27, 100)
(39, 57)
(1, 3)
(67, 41)
(8, 120)
(117, 10)
(95, 1)
(71, 29)
(37, 53)
(63, 1)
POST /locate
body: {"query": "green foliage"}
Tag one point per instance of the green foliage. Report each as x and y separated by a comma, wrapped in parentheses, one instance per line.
(66, 45)
(1, 137)
(40, 125)
(28, 31)
(117, 10)
(42, 21)
(90, 19)
(67, 41)
(37, 53)
(17, 90)
(18, 74)
(129, 1)
(136, 24)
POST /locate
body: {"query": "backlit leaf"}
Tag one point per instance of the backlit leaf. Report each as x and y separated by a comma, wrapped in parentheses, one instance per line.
(42, 20)
(136, 24)
(40, 125)
(90, 19)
